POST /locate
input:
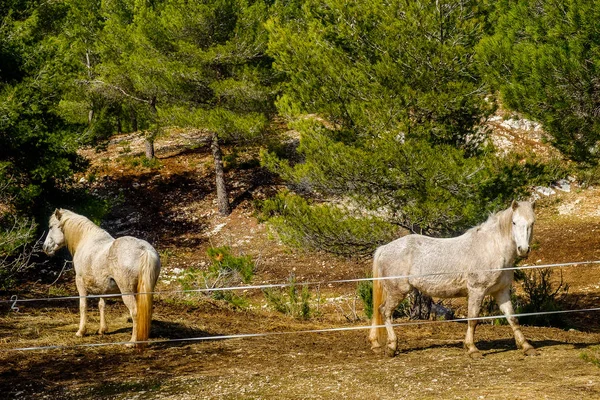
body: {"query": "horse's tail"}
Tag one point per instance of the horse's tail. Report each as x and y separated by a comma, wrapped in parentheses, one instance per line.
(378, 298)
(148, 274)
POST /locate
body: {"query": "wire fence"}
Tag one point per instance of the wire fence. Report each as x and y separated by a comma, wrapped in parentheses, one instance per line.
(15, 300)
(308, 331)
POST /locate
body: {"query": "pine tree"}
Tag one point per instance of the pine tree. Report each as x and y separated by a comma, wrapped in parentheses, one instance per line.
(543, 57)
(388, 103)
(176, 62)
(37, 145)
(224, 78)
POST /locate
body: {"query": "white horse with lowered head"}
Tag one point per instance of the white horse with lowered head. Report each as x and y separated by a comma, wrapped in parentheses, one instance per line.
(104, 265)
(471, 265)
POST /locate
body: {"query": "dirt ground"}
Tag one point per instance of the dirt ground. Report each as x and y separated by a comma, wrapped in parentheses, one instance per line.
(173, 207)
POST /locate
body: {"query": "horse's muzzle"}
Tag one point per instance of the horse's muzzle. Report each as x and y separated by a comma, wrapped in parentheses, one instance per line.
(48, 251)
(523, 251)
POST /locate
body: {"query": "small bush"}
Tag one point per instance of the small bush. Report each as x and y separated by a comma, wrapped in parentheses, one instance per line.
(591, 357)
(125, 148)
(140, 161)
(225, 270)
(234, 268)
(153, 163)
(288, 301)
(365, 293)
(489, 307)
(16, 236)
(414, 306)
(541, 295)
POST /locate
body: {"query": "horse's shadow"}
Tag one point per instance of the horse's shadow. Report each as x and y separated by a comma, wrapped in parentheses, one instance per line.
(170, 334)
(497, 346)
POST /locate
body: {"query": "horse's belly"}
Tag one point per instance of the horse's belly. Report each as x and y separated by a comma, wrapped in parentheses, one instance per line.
(443, 289)
(107, 285)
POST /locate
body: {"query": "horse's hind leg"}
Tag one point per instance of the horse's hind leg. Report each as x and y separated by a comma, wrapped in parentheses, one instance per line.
(387, 310)
(82, 306)
(131, 304)
(103, 327)
(475, 300)
(503, 299)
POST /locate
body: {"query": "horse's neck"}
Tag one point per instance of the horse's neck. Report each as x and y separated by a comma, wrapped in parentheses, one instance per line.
(79, 229)
(498, 230)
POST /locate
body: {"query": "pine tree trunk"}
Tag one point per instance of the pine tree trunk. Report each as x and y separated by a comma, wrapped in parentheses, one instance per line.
(134, 122)
(149, 144)
(89, 67)
(222, 195)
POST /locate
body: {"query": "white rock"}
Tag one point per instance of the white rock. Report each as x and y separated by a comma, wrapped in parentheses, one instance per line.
(546, 191)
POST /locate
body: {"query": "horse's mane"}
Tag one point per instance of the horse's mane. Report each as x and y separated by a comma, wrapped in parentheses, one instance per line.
(75, 227)
(501, 221)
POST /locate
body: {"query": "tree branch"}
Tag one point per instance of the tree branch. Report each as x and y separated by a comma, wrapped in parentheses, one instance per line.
(117, 88)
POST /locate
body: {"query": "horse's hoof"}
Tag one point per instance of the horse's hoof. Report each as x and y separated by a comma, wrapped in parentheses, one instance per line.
(390, 352)
(376, 349)
(130, 345)
(80, 334)
(102, 331)
(531, 352)
(475, 355)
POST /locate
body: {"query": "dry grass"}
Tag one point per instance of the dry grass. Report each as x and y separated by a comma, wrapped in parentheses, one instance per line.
(432, 363)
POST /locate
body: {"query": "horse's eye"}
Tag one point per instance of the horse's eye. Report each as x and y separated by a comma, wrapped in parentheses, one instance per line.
(514, 223)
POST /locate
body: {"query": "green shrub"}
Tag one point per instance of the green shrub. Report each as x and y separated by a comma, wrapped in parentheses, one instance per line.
(408, 308)
(489, 307)
(143, 161)
(592, 357)
(224, 263)
(326, 227)
(541, 295)
(289, 301)
(16, 248)
(225, 270)
(365, 293)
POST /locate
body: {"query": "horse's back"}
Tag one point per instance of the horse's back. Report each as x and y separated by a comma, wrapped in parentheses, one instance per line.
(125, 260)
(128, 250)
(394, 259)
(403, 255)
(423, 263)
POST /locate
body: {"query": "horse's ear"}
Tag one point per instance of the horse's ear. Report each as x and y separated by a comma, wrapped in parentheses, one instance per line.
(514, 205)
(533, 205)
(58, 214)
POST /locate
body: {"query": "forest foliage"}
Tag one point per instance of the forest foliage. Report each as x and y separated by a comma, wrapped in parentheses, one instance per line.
(388, 98)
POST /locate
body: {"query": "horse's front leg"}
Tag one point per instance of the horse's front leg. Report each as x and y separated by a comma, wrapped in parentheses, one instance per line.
(475, 300)
(103, 326)
(82, 306)
(503, 299)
